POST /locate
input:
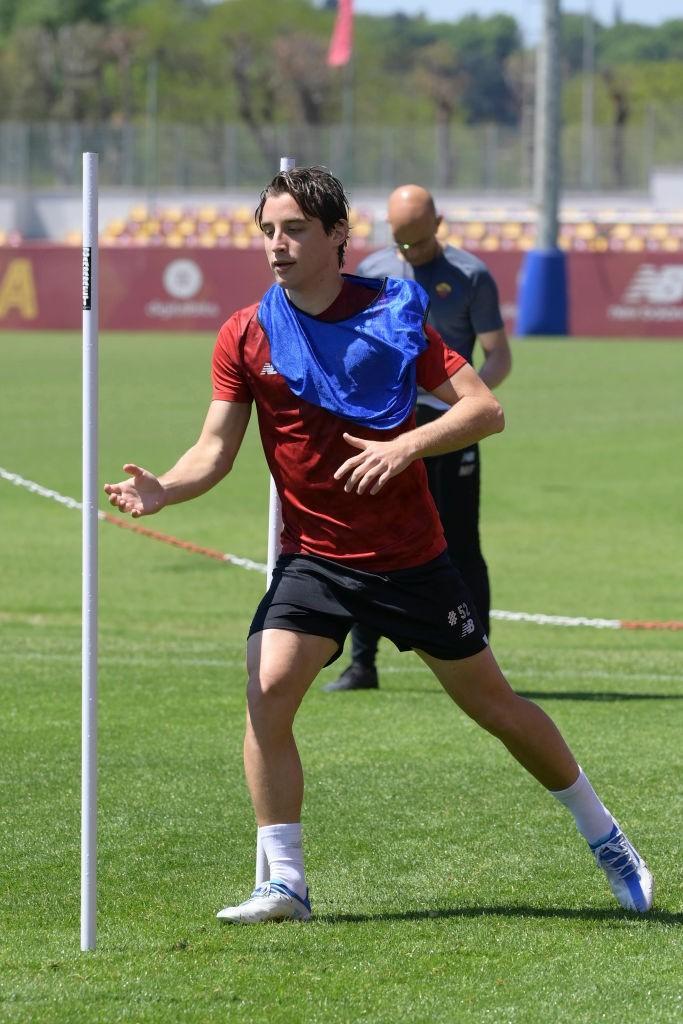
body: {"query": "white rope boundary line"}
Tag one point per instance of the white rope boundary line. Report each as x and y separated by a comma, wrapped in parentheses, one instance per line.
(555, 620)
(45, 492)
(247, 563)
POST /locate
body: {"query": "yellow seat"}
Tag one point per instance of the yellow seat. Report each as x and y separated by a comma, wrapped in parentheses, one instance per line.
(622, 231)
(187, 227)
(475, 230)
(586, 230)
(512, 230)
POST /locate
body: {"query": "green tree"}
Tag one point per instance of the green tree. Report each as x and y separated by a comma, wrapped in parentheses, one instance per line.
(485, 45)
(628, 43)
(54, 13)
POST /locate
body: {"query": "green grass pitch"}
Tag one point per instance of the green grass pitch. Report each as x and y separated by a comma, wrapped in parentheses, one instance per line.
(447, 886)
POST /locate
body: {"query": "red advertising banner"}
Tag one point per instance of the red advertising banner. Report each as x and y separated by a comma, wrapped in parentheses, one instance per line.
(611, 294)
(139, 289)
(626, 295)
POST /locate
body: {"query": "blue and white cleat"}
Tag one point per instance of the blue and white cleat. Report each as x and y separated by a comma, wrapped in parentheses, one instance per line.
(628, 875)
(270, 901)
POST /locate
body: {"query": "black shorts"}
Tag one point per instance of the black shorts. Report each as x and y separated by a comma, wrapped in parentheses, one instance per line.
(427, 607)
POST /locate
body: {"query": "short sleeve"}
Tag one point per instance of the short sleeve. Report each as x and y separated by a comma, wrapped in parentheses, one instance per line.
(438, 362)
(227, 367)
(485, 306)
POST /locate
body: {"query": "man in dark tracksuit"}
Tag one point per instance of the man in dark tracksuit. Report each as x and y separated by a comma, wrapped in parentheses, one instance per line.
(464, 309)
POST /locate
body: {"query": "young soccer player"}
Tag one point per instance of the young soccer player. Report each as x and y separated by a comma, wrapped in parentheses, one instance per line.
(332, 364)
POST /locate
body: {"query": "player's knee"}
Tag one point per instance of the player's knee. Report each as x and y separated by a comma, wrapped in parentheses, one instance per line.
(268, 699)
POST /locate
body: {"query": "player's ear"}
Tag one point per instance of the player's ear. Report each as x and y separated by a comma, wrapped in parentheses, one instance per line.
(340, 232)
(439, 222)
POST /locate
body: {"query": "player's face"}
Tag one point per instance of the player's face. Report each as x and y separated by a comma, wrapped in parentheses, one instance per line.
(416, 239)
(299, 251)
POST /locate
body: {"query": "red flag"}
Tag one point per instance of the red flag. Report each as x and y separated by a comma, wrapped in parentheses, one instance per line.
(341, 43)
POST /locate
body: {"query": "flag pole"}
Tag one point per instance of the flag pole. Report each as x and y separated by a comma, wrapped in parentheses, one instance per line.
(287, 163)
(89, 558)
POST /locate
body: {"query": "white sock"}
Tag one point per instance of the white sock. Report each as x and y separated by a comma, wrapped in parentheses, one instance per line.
(283, 850)
(592, 818)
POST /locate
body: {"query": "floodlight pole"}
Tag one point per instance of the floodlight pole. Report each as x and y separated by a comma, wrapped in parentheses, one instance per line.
(588, 100)
(547, 138)
(89, 559)
(287, 163)
(543, 306)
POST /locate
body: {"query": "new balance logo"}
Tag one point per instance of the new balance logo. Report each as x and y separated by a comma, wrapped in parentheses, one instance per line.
(467, 628)
(460, 616)
(655, 293)
(268, 370)
(661, 285)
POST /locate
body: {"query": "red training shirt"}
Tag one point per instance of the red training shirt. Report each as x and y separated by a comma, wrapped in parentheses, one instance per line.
(303, 444)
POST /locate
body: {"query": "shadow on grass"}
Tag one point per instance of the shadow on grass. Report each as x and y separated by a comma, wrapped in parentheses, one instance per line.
(654, 917)
(589, 695)
(594, 695)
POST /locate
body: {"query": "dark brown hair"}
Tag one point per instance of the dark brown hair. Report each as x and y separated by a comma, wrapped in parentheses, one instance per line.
(319, 194)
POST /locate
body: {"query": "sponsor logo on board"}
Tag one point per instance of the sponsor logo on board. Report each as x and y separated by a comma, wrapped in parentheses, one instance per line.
(183, 281)
(654, 293)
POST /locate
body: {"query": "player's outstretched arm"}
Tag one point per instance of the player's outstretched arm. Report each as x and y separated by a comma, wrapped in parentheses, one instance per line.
(197, 471)
(141, 495)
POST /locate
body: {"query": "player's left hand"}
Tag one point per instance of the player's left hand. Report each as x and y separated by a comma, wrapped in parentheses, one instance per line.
(374, 464)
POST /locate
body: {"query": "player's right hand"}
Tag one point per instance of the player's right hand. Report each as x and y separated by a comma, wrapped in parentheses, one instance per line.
(141, 495)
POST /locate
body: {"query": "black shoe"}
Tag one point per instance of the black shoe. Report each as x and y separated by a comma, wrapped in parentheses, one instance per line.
(355, 677)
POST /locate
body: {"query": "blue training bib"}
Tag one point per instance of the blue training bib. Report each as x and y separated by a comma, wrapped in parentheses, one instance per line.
(361, 369)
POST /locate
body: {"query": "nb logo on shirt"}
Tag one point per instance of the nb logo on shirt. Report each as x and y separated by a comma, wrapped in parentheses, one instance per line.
(268, 370)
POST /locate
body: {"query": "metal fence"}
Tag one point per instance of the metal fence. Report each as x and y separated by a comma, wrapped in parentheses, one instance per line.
(225, 156)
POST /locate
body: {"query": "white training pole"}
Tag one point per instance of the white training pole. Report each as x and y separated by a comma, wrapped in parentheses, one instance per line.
(89, 564)
(274, 530)
(287, 163)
